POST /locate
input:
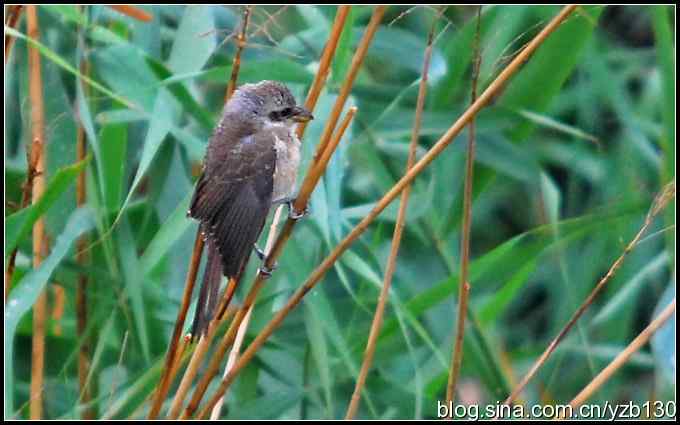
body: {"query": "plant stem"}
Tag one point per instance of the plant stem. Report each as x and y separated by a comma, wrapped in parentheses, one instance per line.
(39, 237)
(240, 45)
(132, 11)
(13, 15)
(464, 286)
(324, 63)
(164, 383)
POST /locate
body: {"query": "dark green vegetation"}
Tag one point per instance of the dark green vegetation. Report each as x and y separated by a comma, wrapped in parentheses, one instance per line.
(569, 159)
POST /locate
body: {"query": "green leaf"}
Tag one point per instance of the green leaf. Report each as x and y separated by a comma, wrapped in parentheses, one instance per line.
(541, 79)
(171, 230)
(19, 224)
(666, 55)
(113, 145)
(54, 57)
(24, 295)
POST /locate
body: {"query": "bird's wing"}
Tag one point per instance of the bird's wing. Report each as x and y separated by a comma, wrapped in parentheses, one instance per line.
(233, 196)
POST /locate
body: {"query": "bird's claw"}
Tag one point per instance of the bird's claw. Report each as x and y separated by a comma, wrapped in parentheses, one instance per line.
(258, 251)
(265, 271)
(295, 215)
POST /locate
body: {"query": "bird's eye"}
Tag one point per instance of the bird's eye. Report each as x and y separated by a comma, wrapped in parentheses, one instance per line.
(280, 115)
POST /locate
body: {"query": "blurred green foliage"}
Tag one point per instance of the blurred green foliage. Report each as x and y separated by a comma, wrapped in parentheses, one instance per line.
(569, 158)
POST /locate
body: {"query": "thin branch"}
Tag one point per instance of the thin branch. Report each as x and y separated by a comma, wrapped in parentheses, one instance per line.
(243, 327)
(396, 237)
(264, 27)
(165, 381)
(192, 369)
(132, 11)
(348, 82)
(305, 192)
(39, 237)
(321, 270)
(658, 205)
(13, 15)
(325, 63)
(13, 18)
(623, 356)
(86, 394)
(240, 45)
(186, 342)
(464, 286)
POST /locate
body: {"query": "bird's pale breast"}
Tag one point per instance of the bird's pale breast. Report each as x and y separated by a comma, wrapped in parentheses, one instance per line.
(287, 147)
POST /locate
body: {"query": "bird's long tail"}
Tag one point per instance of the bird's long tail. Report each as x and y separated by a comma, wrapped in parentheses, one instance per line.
(208, 296)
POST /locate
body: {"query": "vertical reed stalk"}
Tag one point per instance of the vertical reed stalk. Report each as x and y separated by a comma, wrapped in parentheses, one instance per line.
(13, 15)
(39, 237)
(240, 45)
(464, 286)
(324, 64)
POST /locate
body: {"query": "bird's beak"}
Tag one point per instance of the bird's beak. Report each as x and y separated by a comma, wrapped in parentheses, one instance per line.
(301, 114)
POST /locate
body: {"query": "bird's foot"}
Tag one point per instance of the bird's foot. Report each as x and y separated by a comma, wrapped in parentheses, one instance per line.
(258, 251)
(293, 214)
(265, 271)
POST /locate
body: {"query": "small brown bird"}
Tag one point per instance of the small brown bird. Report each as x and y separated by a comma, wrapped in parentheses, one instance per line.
(250, 165)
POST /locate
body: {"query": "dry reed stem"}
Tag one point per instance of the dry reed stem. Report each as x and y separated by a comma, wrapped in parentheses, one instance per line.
(192, 369)
(659, 203)
(396, 237)
(623, 356)
(325, 63)
(82, 258)
(328, 262)
(235, 349)
(12, 19)
(464, 286)
(348, 82)
(132, 12)
(263, 28)
(165, 381)
(243, 327)
(240, 45)
(186, 342)
(314, 174)
(39, 237)
(13, 15)
(200, 351)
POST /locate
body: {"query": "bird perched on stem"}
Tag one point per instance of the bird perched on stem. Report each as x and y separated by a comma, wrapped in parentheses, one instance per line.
(250, 165)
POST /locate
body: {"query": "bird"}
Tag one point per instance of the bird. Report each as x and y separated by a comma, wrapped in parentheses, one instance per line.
(251, 164)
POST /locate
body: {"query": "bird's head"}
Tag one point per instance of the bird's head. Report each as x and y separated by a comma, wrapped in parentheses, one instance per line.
(271, 103)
